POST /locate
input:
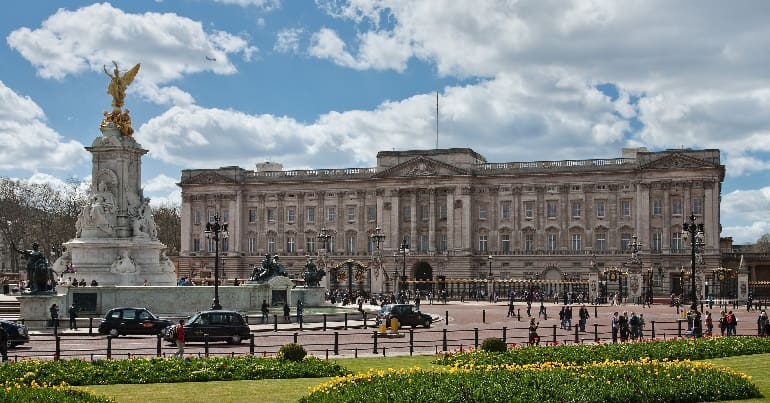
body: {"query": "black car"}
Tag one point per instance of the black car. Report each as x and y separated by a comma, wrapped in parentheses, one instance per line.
(407, 315)
(17, 332)
(228, 326)
(123, 321)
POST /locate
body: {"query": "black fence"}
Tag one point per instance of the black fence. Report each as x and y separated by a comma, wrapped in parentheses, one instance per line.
(332, 342)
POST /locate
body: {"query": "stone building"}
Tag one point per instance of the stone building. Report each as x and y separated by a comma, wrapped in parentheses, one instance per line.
(463, 218)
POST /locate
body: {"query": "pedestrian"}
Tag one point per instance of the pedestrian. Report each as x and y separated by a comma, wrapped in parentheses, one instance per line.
(534, 339)
(54, 315)
(709, 324)
(286, 312)
(4, 344)
(634, 322)
(641, 326)
(73, 313)
(732, 323)
(265, 311)
(722, 323)
(584, 315)
(179, 339)
(511, 309)
(615, 324)
(300, 309)
(623, 325)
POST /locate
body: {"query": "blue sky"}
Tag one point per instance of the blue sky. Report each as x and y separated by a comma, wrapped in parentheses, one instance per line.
(317, 84)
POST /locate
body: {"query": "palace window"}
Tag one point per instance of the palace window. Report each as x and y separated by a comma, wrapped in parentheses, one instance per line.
(483, 243)
(552, 242)
(505, 243)
(331, 214)
(601, 241)
(290, 244)
(625, 208)
(505, 212)
(291, 214)
(577, 242)
(311, 214)
(577, 208)
(601, 208)
(252, 215)
(676, 207)
(271, 215)
(529, 209)
(551, 209)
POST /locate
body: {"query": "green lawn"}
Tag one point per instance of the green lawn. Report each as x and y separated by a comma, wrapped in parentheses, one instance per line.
(290, 390)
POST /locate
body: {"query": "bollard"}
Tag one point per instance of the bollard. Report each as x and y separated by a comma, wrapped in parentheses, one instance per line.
(446, 318)
(596, 313)
(336, 343)
(653, 329)
(411, 342)
(505, 331)
(483, 316)
(444, 345)
(554, 335)
(355, 354)
(109, 347)
(577, 338)
(301, 324)
(374, 336)
(346, 321)
(90, 326)
(327, 354)
(158, 345)
(518, 314)
(596, 332)
(476, 337)
(679, 327)
(206, 345)
(251, 344)
(364, 319)
(275, 323)
(296, 335)
(324, 322)
(57, 355)
(383, 351)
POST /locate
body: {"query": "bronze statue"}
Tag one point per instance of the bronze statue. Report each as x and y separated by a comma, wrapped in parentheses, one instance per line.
(38, 273)
(313, 275)
(119, 84)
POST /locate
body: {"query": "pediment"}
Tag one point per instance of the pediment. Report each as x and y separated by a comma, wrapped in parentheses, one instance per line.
(206, 178)
(677, 160)
(421, 167)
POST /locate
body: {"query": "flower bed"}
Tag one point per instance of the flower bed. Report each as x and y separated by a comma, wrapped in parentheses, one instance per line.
(690, 349)
(610, 381)
(29, 390)
(166, 370)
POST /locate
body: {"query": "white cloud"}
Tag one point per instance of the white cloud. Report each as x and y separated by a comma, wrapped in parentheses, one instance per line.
(287, 40)
(163, 191)
(26, 142)
(72, 42)
(263, 4)
(747, 211)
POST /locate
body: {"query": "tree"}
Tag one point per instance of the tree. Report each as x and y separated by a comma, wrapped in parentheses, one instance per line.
(763, 244)
(169, 223)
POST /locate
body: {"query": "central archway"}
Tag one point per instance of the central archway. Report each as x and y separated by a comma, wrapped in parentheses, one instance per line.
(423, 273)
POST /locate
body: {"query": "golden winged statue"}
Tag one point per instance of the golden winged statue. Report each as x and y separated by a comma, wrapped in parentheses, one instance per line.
(118, 84)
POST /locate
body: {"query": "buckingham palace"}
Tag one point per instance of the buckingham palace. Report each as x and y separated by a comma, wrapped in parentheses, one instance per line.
(448, 218)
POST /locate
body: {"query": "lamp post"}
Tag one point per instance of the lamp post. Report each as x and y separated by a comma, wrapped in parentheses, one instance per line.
(377, 237)
(403, 249)
(695, 234)
(649, 286)
(216, 231)
(323, 239)
(490, 265)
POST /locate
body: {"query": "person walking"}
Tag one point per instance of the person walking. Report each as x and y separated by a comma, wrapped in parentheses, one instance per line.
(732, 323)
(265, 311)
(534, 339)
(511, 309)
(54, 315)
(584, 315)
(179, 339)
(615, 323)
(4, 344)
(286, 312)
(300, 311)
(73, 314)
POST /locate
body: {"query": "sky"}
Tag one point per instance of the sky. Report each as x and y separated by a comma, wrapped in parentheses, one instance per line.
(328, 83)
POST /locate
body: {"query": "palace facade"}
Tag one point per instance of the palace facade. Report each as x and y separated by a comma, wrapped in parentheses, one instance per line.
(462, 217)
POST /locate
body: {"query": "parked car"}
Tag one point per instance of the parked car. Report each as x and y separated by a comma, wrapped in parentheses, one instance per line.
(17, 332)
(407, 315)
(123, 321)
(219, 325)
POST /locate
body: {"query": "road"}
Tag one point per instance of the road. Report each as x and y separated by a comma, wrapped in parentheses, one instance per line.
(468, 323)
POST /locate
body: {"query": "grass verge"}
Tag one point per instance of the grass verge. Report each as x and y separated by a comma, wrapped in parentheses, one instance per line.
(290, 390)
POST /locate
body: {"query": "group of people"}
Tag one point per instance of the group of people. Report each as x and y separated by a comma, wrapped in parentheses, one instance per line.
(627, 327)
(73, 282)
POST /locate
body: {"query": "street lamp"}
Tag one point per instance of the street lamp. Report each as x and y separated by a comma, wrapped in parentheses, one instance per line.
(490, 265)
(377, 237)
(216, 231)
(649, 286)
(403, 249)
(693, 232)
(323, 239)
